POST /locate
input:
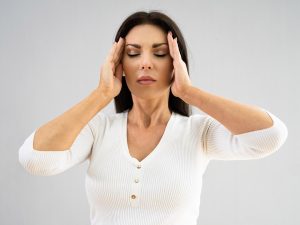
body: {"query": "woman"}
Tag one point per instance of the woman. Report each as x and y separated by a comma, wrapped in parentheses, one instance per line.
(146, 161)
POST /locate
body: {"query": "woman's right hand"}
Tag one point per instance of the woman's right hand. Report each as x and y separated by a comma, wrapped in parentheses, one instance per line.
(111, 71)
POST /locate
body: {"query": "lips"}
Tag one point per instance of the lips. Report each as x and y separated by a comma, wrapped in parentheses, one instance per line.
(146, 80)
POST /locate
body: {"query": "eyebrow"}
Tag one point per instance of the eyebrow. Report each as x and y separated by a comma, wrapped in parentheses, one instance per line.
(155, 45)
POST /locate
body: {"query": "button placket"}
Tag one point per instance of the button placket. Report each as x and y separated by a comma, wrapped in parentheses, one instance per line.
(136, 186)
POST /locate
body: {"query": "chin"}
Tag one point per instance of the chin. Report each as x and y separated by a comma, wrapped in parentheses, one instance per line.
(151, 94)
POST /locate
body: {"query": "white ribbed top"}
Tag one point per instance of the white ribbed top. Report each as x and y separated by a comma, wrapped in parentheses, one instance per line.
(165, 187)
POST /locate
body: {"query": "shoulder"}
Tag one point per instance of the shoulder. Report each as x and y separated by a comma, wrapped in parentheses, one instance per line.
(193, 123)
(195, 119)
(102, 121)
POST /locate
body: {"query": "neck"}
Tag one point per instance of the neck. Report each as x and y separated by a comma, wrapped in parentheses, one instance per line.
(146, 113)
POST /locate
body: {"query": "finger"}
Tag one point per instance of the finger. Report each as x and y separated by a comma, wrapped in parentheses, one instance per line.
(170, 42)
(121, 44)
(111, 52)
(176, 51)
(119, 72)
(173, 75)
(118, 51)
(111, 58)
(121, 51)
(169, 38)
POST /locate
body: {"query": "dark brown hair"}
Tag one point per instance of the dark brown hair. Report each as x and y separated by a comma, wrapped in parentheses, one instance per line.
(123, 101)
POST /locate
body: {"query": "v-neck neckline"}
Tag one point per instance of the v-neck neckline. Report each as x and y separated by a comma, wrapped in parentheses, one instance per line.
(156, 148)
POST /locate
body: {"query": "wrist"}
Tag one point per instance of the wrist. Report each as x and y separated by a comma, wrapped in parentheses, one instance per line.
(186, 92)
(102, 98)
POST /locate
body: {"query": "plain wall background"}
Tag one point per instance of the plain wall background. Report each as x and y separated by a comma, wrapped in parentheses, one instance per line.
(246, 50)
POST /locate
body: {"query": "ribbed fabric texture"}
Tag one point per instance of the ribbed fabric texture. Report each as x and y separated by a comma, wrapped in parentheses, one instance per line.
(165, 187)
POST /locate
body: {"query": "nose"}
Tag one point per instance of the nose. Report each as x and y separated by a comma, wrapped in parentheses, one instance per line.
(146, 63)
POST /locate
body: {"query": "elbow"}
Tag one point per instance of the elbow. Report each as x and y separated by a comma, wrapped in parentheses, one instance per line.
(262, 143)
(272, 141)
(34, 168)
(275, 135)
(38, 168)
(40, 163)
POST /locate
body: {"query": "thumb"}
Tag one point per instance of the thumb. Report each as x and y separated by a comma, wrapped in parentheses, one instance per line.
(173, 76)
(119, 71)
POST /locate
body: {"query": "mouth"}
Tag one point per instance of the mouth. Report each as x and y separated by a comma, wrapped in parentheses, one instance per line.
(146, 80)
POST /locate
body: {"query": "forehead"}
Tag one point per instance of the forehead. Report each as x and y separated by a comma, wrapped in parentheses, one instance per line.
(146, 34)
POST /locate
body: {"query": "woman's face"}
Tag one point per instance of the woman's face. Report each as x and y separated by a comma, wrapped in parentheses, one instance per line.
(146, 53)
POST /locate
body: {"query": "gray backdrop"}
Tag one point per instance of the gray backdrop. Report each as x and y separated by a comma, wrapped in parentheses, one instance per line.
(50, 55)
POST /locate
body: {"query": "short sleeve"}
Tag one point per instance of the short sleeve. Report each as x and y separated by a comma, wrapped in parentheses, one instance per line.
(46, 163)
(221, 144)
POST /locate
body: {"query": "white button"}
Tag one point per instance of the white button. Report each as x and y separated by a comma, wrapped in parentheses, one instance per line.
(139, 166)
(136, 180)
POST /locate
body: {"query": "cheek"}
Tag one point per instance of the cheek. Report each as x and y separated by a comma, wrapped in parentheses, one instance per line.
(126, 71)
(168, 69)
(128, 67)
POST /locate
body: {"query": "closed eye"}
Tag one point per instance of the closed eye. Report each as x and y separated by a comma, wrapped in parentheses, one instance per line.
(132, 55)
(158, 55)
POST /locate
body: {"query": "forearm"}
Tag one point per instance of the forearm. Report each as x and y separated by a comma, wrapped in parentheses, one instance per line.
(236, 117)
(60, 133)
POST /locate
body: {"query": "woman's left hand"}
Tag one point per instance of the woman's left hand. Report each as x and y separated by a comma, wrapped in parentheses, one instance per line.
(180, 78)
